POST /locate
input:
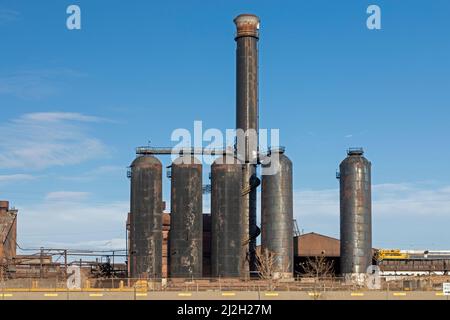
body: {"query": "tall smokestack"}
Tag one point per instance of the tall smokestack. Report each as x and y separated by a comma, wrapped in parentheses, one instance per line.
(247, 36)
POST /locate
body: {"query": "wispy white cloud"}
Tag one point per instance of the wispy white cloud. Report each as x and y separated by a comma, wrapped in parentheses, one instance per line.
(35, 84)
(73, 220)
(105, 244)
(41, 140)
(401, 199)
(10, 178)
(389, 188)
(316, 202)
(58, 116)
(409, 200)
(96, 173)
(397, 210)
(8, 15)
(107, 169)
(67, 196)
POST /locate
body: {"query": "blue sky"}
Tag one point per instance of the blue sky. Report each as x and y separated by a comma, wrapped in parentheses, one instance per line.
(75, 104)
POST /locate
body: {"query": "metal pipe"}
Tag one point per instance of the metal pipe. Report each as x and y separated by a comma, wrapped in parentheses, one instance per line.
(182, 151)
(247, 35)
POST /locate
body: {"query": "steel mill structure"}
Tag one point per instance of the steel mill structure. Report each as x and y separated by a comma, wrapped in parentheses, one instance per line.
(234, 183)
(187, 244)
(226, 221)
(185, 249)
(356, 214)
(8, 233)
(247, 36)
(146, 218)
(277, 212)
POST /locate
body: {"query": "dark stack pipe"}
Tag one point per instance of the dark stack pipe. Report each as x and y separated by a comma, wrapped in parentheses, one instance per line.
(247, 36)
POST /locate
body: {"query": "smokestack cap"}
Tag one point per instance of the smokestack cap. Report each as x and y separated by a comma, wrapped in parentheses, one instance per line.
(247, 25)
(355, 151)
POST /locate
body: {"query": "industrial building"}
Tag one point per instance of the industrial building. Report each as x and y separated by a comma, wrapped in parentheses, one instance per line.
(8, 233)
(13, 265)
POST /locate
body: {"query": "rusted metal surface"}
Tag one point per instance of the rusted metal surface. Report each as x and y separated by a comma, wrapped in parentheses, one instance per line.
(250, 230)
(206, 245)
(186, 218)
(166, 221)
(146, 218)
(277, 213)
(8, 233)
(416, 265)
(128, 247)
(247, 25)
(4, 206)
(247, 121)
(226, 223)
(165, 245)
(247, 95)
(356, 213)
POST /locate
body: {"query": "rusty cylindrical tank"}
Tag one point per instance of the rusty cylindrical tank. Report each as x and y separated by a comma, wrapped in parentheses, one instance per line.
(356, 213)
(277, 242)
(186, 225)
(146, 218)
(226, 205)
(247, 35)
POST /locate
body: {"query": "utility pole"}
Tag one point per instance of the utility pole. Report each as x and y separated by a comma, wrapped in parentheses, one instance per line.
(41, 261)
(65, 261)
